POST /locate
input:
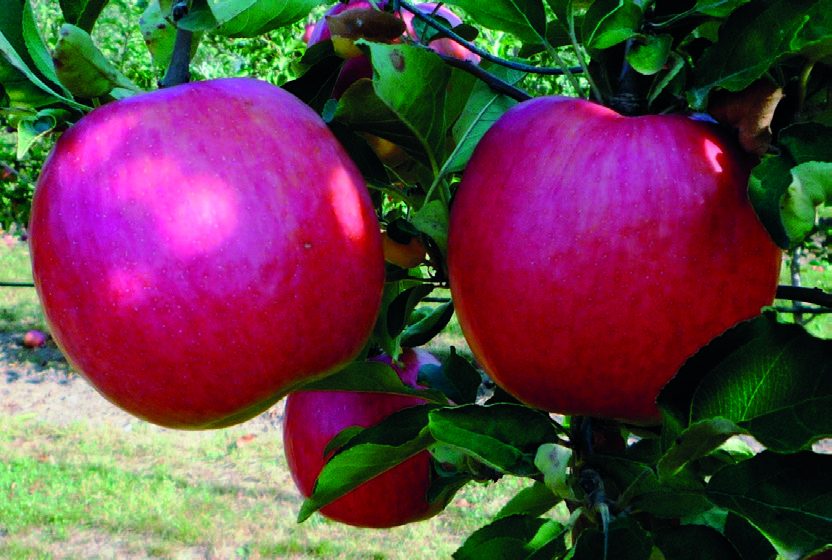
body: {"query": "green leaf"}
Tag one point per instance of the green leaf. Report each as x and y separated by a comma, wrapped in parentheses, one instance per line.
(370, 377)
(610, 22)
(82, 68)
(718, 8)
(24, 85)
(627, 541)
(32, 129)
(767, 185)
(638, 487)
(753, 38)
(82, 13)
(399, 310)
(245, 18)
(513, 536)
(694, 542)
(37, 48)
(412, 82)
(650, 56)
(700, 439)
(504, 436)
(773, 380)
(676, 397)
(811, 187)
(432, 219)
(526, 19)
(484, 106)
(371, 452)
(746, 539)
(534, 500)
(788, 498)
(778, 387)
(429, 326)
(456, 378)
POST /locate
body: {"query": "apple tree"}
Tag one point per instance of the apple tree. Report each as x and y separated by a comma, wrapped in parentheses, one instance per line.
(599, 192)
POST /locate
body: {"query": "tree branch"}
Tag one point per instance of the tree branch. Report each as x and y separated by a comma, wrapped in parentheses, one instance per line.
(805, 295)
(179, 71)
(481, 52)
(492, 81)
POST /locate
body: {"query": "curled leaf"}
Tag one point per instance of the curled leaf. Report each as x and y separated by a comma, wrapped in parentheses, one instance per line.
(811, 187)
(749, 111)
(82, 68)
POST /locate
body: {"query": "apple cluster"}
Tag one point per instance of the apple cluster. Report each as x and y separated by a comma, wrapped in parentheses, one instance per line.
(196, 267)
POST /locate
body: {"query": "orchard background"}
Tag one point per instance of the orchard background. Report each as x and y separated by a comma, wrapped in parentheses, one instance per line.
(717, 479)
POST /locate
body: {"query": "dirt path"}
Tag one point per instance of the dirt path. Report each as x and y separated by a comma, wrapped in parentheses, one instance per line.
(39, 382)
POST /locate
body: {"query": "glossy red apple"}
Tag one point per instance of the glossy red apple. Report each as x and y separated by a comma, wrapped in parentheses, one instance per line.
(198, 251)
(313, 418)
(590, 254)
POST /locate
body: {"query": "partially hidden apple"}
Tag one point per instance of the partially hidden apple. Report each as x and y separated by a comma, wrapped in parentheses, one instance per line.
(313, 418)
(194, 265)
(590, 254)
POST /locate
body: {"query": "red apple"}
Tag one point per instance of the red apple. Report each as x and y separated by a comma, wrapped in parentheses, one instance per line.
(34, 339)
(313, 418)
(590, 254)
(199, 249)
(445, 46)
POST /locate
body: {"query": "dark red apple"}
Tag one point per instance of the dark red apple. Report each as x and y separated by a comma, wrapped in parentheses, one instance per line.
(313, 418)
(590, 254)
(199, 250)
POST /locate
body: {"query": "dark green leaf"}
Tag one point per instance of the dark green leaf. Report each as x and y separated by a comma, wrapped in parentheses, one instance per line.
(636, 486)
(750, 41)
(768, 184)
(787, 497)
(677, 395)
(533, 500)
(24, 85)
(746, 539)
(370, 377)
(399, 310)
(371, 452)
(610, 22)
(718, 8)
(314, 87)
(514, 536)
(777, 386)
(525, 19)
(627, 541)
(503, 436)
(456, 378)
(432, 220)
(31, 129)
(700, 439)
(694, 542)
(425, 329)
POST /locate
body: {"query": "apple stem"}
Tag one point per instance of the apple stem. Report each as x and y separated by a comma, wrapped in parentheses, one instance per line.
(178, 71)
(478, 51)
(627, 100)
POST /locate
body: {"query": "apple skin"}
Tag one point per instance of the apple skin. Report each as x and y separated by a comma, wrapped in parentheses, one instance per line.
(194, 265)
(312, 418)
(445, 46)
(590, 254)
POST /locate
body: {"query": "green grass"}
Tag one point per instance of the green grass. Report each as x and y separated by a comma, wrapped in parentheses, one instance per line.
(167, 494)
(19, 307)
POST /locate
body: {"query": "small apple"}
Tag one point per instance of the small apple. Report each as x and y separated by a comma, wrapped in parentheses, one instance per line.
(194, 265)
(313, 418)
(405, 255)
(34, 339)
(590, 254)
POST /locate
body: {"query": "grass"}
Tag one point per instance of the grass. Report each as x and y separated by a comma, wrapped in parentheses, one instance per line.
(19, 306)
(86, 491)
